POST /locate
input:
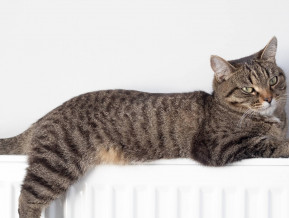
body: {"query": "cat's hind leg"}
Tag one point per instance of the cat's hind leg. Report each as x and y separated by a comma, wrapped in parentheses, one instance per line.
(54, 164)
(46, 179)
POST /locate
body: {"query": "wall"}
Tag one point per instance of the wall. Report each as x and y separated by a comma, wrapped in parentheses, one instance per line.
(53, 50)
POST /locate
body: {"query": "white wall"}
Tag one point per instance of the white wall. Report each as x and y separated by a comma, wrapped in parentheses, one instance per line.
(53, 50)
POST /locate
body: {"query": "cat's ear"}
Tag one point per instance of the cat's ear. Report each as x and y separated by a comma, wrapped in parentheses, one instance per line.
(269, 52)
(222, 68)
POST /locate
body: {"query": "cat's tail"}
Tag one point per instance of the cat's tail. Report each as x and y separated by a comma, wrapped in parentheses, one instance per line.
(15, 145)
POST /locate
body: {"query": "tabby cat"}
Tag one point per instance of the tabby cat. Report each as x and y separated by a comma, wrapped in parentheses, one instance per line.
(243, 118)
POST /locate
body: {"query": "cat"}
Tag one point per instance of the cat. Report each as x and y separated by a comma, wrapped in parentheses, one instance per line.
(244, 117)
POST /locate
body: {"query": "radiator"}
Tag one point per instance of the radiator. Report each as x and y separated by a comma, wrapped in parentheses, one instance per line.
(257, 188)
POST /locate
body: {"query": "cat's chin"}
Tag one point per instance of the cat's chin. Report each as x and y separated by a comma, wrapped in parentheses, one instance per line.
(268, 109)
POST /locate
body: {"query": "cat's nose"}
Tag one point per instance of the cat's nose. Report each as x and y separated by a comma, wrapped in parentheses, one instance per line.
(268, 99)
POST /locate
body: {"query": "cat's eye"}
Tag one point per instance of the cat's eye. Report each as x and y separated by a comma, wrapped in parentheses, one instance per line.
(273, 81)
(248, 89)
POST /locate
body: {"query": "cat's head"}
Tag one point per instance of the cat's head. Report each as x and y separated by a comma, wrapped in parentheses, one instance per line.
(254, 83)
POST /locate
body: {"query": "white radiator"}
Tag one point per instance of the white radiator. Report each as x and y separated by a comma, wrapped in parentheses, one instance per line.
(256, 188)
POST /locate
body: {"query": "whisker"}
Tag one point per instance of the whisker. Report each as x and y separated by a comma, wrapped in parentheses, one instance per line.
(248, 113)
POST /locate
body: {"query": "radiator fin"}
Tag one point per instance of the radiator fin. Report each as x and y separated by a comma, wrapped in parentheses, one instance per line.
(105, 194)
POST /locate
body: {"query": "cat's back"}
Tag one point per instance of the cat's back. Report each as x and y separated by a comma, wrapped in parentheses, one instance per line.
(108, 100)
(117, 105)
(155, 124)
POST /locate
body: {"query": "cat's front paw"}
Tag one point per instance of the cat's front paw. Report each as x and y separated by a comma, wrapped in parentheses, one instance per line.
(275, 120)
(272, 119)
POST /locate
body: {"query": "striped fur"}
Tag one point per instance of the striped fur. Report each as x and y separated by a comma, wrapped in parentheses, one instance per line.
(123, 127)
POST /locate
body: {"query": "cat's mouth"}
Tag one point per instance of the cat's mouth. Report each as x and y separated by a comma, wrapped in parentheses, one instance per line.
(267, 108)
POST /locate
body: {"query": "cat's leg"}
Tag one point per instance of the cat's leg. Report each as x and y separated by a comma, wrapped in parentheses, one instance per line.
(254, 147)
(46, 179)
(53, 166)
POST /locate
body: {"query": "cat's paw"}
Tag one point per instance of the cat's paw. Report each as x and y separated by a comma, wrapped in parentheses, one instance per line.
(275, 120)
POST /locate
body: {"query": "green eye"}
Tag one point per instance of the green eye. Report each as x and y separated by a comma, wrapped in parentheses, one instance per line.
(273, 81)
(248, 89)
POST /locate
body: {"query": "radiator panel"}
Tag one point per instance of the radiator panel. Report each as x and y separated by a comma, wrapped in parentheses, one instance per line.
(172, 189)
